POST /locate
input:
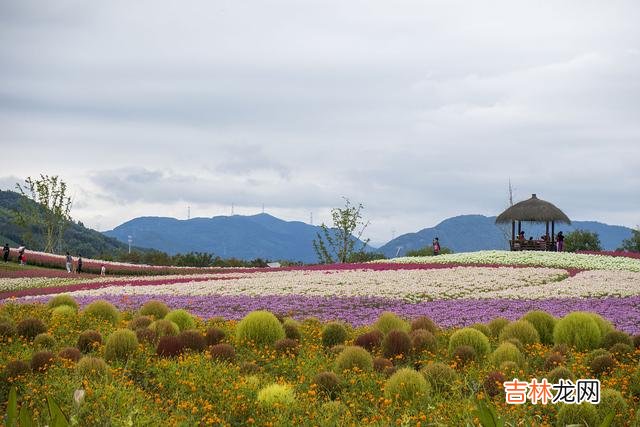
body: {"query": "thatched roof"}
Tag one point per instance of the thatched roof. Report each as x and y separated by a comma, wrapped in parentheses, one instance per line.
(533, 209)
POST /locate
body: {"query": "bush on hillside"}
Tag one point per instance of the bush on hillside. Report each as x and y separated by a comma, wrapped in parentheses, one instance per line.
(261, 327)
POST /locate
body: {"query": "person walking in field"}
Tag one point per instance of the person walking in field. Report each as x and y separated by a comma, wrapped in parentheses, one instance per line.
(21, 257)
(560, 241)
(436, 246)
(103, 270)
(69, 263)
(5, 252)
(79, 263)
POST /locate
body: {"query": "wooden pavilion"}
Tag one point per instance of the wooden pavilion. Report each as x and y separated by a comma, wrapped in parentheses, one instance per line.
(533, 210)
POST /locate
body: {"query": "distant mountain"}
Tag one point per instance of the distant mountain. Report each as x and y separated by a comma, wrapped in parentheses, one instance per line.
(243, 237)
(77, 238)
(467, 233)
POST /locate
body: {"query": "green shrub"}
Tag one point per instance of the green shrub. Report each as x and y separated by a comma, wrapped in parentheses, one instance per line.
(612, 338)
(496, 325)
(63, 312)
(103, 310)
(193, 340)
(164, 327)
(154, 308)
(584, 414)
(120, 345)
(516, 342)
(471, 337)
(522, 330)
(89, 340)
(482, 328)
(334, 333)
(276, 394)
(334, 413)
(146, 335)
(596, 353)
(440, 377)
(92, 368)
(579, 330)
(70, 353)
(44, 341)
(369, 340)
(636, 344)
(558, 373)
(389, 321)
(507, 352)
(612, 402)
(140, 322)
(422, 340)
(424, 322)
(261, 327)
(63, 299)
(328, 383)
(602, 364)
(621, 351)
(510, 369)
(603, 324)
(16, 368)
(287, 346)
(634, 383)
(406, 385)
(7, 329)
(291, 329)
(182, 318)
(396, 343)
(30, 327)
(354, 357)
(42, 360)
(493, 383)
(544, 324)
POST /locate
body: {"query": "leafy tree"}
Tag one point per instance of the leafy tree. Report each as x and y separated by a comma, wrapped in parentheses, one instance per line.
(633, 243)
(49, 213)
(193, 259)
(337, 244)
(427, 251)
(582, 240)
(362, 256)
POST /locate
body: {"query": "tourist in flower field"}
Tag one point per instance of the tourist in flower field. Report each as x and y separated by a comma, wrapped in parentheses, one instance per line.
(436, 246)
(69, 263)
(5, 252)
(103, 270)
(560, 241)
(80, 263)
(21, 255)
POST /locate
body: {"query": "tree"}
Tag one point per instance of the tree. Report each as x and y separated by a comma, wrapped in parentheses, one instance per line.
(337, 244)
(632, 243)
(50, 212)
(582, 240)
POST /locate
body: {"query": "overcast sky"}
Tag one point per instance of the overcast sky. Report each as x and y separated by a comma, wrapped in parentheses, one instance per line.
(420, 109)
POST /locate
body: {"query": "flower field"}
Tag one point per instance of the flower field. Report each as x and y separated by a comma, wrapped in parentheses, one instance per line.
(182, 349)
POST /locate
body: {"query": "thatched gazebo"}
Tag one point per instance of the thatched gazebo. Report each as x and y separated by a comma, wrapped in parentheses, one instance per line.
(532, 210)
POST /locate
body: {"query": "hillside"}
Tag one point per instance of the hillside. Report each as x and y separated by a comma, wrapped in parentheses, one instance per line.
(77, 238)
(468, 233)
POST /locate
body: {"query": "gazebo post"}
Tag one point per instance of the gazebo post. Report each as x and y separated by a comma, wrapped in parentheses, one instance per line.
(519, 227)
(513, 231)
(546, 237)
(553, 232)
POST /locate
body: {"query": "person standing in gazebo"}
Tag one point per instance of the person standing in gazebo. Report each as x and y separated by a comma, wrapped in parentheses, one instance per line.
(560, 240)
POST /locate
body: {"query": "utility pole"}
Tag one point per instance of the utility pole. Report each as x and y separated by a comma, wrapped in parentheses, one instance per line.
(311, 218)
(263, 208)
(393, 233)
(188, 212)
(231, 209)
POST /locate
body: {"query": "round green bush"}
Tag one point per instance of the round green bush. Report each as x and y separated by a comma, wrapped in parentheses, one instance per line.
(120, 345)
(482, 328)
(63, 299)
(507, 352)
(369, 340)
(70, 353)
(334, 333)
(44, 341)
(140, 322)
(164, 327)
(579, 330)
(471, 337)
(603, 324)
(89, 340)
(516, 342)
(328, 383)
(612, 402)
(396, 343)
(7, 329)
(596, 353)
(16, 368)
(193, 340)
(92, 368)
(621, 351)
(544, 324)
(423, 340)
(334, 413)
(63, 312)
(440, 377)
(634, 383)
(276, 394)
(406, 385)
(260, 327)
(103, 310)
(424, 322)
(30, 327)
(558, 373)
(354, 357)
(522, 330)
(42, 360)
(389, 321)
(496, 325)
(291, 329)
(584, 414)
(182, 318)
(612, 338)
(154, 308)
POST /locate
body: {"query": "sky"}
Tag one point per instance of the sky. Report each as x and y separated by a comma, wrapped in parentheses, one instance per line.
(420, 110)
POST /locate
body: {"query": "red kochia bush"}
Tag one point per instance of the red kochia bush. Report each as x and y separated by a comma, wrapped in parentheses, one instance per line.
(193, 340)
(42, 360)
(396, 343)
(169, 346)
(369, 340)
(223, 352)
(70, 353)
(88, 340)
(493, 383)
(214, 335)
(30, 327)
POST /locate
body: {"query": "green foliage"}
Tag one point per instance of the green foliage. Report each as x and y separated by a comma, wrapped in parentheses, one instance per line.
(156, 309)
(522, 330)
(7, 329)
(612, 402)
(140, 322)
(507, 352)
(291, 329)
(612, 338)
(276, 394)
(362, 256)
(578, 329)
(44, 341)
(634, 383)
(471, 337)
(92, 368)
(334, 333)
(487, 415)
(633, 243)
(582, 240)
(328, 383)
(63, 299)
(421, 340)
(440, 377)
(427, 251)
(482, 328)
(104, 310)
(558, 373)
(193, 259)
(338, 243)
(396, 343)
(30, 327)
(89, 340)
(584, 414)
(603, 324)
(120, 345)
(496, 325)
(389, 321)
(164, 327)
(182, 318)
(354, 357)
(261, 327)
(406, 385)
(63, 312)
(544, 324)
